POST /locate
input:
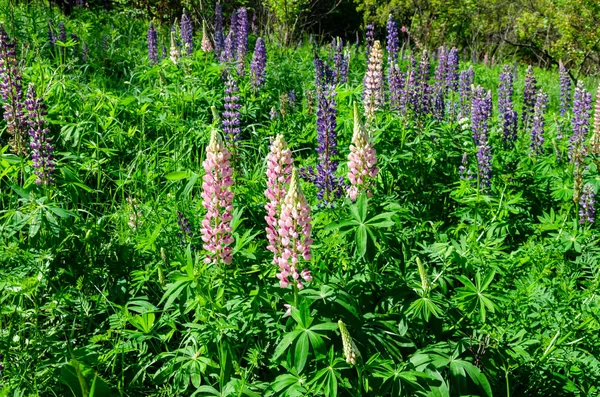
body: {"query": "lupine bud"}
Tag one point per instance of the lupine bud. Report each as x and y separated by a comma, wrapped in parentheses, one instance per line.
(258, 65)
(373, 95)
(152, 44)
(537, 131)
(529, 97)
(565, 88)
(370, 36)
(351, 352)
(294, 233)
(174, 52)
(595, 139)
(206, 45)
(587, 211)
(361, 160)
(242, 40)
(51, 36)
(12, 94)
(231, 115)
(506, 112)
(279, 174)
(217, 199)
(41, 143)
(463, 169)
(187, 34)
(219, 39)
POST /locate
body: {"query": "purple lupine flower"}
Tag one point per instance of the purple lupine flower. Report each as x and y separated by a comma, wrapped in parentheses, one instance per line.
(582, 106)
(529, 97)
(373, 94)
(41, 142)
(480, 114)
(51, 35)
(506, 112)
(152, 44)
(440, 85)
(393, 45)
(537, 131)
(228, 53)
(595, 139)
(258, 65)
(242, 40)
(231, 115)
(187, 34)
(466, 81)
(565, 88)
(587, 211)
(62, 32)
(219, 39)
(423, 88)
(330, 186)
(340, 62)
(452, 77)
(292, 98)
(463, 169)
(11, 90)
(370, 36)
(185, 228)
(396, 85)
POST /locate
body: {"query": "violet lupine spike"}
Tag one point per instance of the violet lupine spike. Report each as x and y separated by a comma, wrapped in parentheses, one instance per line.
(466, 81)
(582, 106)
(294, 231)
(529, 97)
(219, 38)
(362, 160)
(228, 53)
(340, 62)
(185, 228)
(330, 187)
(11, 90)
(587, 210)
(396, 81)
(279, 173)
(537, 130)
(217, 199)
(62, 32)
(231, 115)
(152, 38)
(42, 151)
(565, 88)
(187, 34)
(242, 40)
(506, 112)
(373, 94)
(440, 88)
(595, 139)
(393, 44)
(423, 88)
(258, 65)
(452, 76)
(370, 39)
(206, 45)
(411, 97)
(481, 112)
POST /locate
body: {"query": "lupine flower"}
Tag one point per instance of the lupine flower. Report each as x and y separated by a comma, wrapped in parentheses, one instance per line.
(279, 173)
(411, 91)
(62, 32)
(284, 104)
(565, 88)
(480, 114)
(273, 113)
(466, 80)
(396, 84)
(292, 98)
(294, 233)
(185, 228)
(587, 211)
(529, 97)
(164, 51)
(537, 131)
(258, 65)
(351, 352)
(174, 54)
(135, 217)
(373, 95)
(463, 169)
(12, 94)
(452, 76)
(228, 53)
(422, 87)
(595, 139)
(582, 106)
(219, 39)
(231, 115)
(506, 112)
(440, 85)
(393, 45)
(288, 310)
(152, 44)
(340, 62)
(41, 143)
(370, 35)
(187, 34)
(51, 36)
(323, 175)
(217, 198)
(206, 44)
(361, 160)
(242, 39)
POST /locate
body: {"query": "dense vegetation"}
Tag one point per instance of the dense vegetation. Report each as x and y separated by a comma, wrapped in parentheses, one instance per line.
(466, 262)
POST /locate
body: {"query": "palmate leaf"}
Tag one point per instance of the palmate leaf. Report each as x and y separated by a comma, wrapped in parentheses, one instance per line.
(472, 296)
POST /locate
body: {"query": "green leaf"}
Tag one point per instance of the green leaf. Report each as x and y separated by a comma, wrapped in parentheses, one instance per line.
(178, 175)
(286, 341)
(301, 352)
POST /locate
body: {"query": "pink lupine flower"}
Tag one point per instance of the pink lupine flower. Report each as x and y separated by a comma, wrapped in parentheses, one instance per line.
(294, 232)
(361, 160)
(288, 310)
(217, 198)
(373, 94)
(279, 173)
(206, 45)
